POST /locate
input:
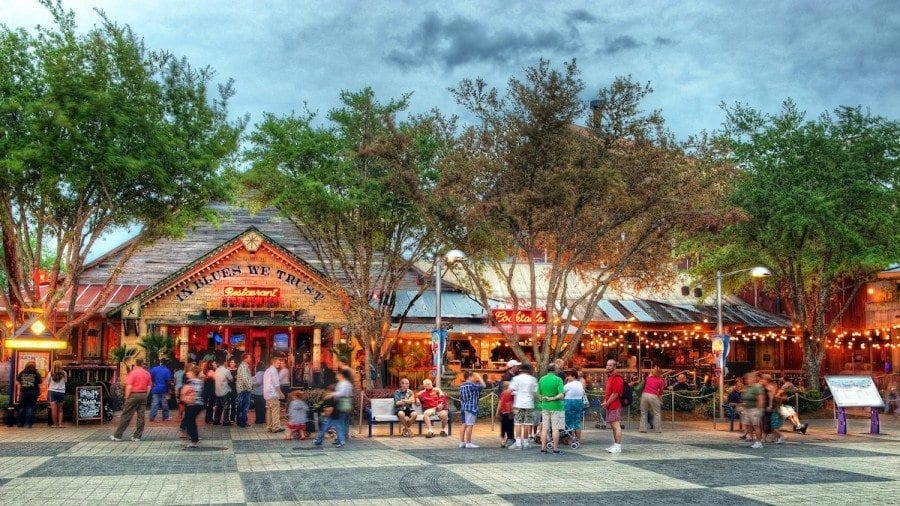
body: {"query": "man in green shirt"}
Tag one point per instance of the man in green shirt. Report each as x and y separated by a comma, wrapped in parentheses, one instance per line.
(551, 392)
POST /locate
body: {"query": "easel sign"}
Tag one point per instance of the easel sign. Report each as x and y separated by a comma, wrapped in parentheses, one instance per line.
(855, 392)
(88, 404)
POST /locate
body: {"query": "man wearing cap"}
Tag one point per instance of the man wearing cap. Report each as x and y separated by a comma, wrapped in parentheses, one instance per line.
(512, 368)
(523, 388)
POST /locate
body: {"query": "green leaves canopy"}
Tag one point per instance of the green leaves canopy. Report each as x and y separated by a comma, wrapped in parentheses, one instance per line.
(821, 209)
(96, 133)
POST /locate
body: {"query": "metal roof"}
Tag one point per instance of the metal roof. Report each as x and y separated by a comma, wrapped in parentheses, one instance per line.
(453, 305)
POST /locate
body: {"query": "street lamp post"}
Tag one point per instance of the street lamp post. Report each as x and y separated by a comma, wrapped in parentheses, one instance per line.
(450, 258)
(756, 272)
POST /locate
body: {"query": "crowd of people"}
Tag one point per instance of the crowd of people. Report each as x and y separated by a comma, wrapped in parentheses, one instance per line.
(531, 410)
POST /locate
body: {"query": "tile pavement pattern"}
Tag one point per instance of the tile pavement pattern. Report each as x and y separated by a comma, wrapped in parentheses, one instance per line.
(691, 464)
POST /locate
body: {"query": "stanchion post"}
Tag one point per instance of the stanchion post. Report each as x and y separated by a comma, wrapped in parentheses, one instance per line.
(492, 410)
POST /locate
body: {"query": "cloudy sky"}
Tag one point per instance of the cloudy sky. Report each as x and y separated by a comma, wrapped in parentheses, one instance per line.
(696, 54)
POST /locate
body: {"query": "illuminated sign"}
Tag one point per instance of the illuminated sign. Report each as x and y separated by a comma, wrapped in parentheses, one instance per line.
(520, 317)
(244, 291)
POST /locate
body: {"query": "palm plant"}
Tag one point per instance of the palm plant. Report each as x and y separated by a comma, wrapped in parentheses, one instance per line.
(156, 346)
(122, 354)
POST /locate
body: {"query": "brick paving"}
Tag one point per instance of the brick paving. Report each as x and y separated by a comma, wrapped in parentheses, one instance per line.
(690, 462)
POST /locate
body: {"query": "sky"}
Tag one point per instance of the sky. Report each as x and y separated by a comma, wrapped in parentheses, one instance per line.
(288, 55)
(695, 54)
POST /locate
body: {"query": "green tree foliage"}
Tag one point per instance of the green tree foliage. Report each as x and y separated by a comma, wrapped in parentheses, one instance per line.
(601, 202)
(98, 133)
(356, 190)
(820, 208)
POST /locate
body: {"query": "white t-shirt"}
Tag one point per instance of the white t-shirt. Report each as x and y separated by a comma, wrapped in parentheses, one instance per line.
(523, 387)
(574, 390)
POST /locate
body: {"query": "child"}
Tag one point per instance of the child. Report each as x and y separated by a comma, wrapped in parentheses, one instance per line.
(469, 392)
(504, 412)
(298, 415)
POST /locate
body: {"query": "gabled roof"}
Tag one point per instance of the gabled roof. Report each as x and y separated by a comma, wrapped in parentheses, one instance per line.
(223, 250)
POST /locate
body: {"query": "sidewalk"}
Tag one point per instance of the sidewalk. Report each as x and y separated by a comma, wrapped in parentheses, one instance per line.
(692, 463)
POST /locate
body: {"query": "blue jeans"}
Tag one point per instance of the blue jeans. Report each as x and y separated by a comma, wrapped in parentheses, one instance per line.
(338, 424)
(27, 403)
(157, 401)
(243, 406)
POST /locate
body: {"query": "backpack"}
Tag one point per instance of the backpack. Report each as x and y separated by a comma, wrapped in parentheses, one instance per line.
(627, 394)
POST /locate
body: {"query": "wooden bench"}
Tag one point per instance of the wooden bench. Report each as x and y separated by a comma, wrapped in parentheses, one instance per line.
(382, 411)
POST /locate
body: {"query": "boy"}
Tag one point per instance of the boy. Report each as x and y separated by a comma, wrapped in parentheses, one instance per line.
(469, 392)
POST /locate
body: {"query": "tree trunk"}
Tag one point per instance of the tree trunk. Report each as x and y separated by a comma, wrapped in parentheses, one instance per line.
(812, 359)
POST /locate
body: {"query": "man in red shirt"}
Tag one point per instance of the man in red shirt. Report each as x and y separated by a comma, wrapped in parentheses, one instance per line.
(433, 403)
(137, 388)
(612, 395)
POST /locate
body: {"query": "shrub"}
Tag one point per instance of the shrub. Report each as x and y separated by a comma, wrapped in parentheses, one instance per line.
(810, 400)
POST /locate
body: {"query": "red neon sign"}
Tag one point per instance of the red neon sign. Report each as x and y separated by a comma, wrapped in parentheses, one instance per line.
(520, 317)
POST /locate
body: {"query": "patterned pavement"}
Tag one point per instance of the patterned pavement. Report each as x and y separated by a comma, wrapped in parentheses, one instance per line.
(691, 462)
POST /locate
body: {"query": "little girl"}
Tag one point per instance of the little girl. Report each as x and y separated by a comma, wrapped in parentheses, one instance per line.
(504, 409)
(298, 415)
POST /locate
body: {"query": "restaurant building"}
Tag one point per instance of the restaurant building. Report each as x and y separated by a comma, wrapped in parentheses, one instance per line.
(250, 284)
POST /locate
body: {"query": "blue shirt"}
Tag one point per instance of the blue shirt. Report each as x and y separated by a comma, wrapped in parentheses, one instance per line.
(468, 395)
(161, 377)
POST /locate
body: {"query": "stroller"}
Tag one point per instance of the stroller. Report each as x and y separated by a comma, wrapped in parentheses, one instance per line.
(566, 436)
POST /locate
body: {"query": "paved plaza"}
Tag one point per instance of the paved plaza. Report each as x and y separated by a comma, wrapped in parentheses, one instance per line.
(689, 464)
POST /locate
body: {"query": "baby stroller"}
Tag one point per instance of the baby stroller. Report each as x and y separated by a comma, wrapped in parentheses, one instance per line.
(566, 436)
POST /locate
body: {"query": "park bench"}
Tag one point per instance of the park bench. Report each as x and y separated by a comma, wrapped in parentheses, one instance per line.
(382, 411)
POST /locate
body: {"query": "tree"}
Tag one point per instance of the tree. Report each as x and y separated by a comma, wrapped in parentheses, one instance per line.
(98, 133)
(355, 190)
(601, 202)
(820, 208)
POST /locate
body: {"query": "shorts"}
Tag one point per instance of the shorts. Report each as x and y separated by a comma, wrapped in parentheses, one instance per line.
(754, 416)
(57, 396)
(297, 427)
(408, 411)
(469, 418)
(523, 416)
(613, 415)
(775, 420)
(555, 420)
(786, 411)
(434, 411)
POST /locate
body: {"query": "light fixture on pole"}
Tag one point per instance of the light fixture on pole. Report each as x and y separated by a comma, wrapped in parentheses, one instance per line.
(438, 345)
(756, 272)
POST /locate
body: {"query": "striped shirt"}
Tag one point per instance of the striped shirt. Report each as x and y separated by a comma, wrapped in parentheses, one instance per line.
(468, 395)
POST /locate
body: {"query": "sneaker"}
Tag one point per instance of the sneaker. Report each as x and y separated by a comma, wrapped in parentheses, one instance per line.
(557, 451)
(443, 433)
(472, 445)
(429, 435)
(462, 445)
(527, 445)
(193, 445)
(803, 428)
(757, 444)
(779, 441)
(114, 438)
(136, 439)
(611, 449)
(543, 450)
(510, 442)
(517, 445)
(340, 445)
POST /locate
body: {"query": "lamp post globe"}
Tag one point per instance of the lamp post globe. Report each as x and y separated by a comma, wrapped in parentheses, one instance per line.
(449, 258)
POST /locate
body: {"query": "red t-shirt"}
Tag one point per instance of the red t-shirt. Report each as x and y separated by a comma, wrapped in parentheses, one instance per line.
(615, 383)
(139, 380)
(654, 386)
(430, 399)
(506, 401)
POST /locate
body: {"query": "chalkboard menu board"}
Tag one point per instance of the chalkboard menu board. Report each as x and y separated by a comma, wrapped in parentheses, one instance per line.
(89, 403)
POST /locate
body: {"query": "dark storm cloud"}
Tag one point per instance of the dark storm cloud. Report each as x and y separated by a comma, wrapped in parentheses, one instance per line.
(620, 43)
(461, 41)
(663, 41)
